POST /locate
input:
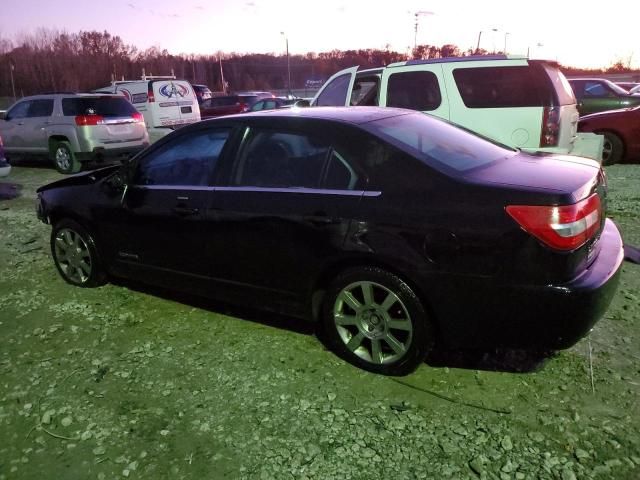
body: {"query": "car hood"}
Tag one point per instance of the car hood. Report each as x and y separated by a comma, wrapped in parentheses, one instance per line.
(572, 178)
(85, 178)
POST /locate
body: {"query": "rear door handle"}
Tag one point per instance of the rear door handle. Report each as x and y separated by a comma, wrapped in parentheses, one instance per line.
(185, 211)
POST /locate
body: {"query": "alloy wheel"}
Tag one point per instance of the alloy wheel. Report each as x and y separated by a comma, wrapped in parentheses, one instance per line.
(73, 255)
(373, 322)
(63, 158)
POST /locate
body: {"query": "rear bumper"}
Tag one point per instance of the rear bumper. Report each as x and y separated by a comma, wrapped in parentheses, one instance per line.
(537, 316)
(100, 153)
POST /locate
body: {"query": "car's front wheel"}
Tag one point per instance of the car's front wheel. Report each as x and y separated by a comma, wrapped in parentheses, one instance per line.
(612, 149)
(75, 255)
(64, 159)
(374, 320)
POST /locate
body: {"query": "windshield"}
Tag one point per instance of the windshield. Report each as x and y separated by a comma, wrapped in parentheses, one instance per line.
(438, 143)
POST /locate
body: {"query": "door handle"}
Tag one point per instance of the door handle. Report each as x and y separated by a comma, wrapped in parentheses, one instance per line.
(185, 211)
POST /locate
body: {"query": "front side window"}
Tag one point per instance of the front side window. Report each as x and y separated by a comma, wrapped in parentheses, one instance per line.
(41, 108)
(596, 89)
(414, 90)
(365, 92)
(270, 158)
(335, 93)
(21, 110)
(188, 160)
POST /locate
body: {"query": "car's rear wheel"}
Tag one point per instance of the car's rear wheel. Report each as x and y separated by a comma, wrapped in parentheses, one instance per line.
(76, 255)
(612, 149)
(374, 320)
(64, 159)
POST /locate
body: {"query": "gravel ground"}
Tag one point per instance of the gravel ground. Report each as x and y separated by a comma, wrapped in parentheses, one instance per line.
(127, 382)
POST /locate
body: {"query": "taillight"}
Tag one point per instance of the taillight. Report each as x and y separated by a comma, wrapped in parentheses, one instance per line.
(564, 227)
(137, 116)
(150, 96)
(550, 132)
(244, 107)
(84, 120)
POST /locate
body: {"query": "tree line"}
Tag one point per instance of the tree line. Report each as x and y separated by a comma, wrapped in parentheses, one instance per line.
(50, 60)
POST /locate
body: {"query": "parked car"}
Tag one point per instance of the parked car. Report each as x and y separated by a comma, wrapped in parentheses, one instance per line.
(635, 90)
(277, 102)
(522, 103)
(202, 92)
(73, 128)
(598, 94)
(621, 130)
(223, 105)
(5, 168)
(165, 102)
(397, 231)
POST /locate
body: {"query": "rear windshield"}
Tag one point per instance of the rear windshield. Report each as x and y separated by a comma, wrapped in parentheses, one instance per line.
(221, 101)
(505, 87)
(105, 106)
(438, 143)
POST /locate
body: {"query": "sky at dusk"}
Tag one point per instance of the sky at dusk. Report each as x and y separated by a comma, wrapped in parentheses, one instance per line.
(570, 31)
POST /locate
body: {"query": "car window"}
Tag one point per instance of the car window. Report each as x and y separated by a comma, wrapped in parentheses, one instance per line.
(21, 110)
(505, 87)
(105, 106)
(438, 143)
(365, 92)
(269, 105)
(335, 93)
(596, 89)
(41, 108)
(340, 174)
(414, 90)
(258, 106)
(270, 158)
(187, 160)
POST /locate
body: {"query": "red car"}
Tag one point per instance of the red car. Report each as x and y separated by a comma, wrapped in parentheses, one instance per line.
(621, 130)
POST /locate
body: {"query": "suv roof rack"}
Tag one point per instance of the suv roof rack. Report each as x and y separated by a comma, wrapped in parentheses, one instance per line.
(469, 58)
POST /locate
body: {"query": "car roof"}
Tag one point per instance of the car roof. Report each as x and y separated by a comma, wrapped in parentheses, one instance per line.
(353, 115)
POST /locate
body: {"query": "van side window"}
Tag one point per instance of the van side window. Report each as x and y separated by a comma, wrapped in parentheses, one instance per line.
(189, 162)
(504, 87)
(414, 90)
(335, 94)
(365, 92)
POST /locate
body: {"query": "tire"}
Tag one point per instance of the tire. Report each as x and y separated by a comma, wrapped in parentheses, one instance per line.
(64, 159)
(372, 319)
(76, 256)
(613, 149)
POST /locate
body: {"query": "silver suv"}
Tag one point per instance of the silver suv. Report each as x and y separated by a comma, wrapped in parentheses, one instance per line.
(73, 128)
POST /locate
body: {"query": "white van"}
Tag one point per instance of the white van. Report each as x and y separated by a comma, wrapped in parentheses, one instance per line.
(165, 103)
(516, 101)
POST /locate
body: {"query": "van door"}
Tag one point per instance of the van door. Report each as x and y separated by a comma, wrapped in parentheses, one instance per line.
(175, 103)
(416, 87)
(336, 92)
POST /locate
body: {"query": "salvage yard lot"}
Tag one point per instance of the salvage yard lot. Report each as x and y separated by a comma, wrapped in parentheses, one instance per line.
(123, 381)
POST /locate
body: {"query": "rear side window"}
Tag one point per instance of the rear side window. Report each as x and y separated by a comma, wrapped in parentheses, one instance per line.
(105, 106)
(505, 87)
(41, 108)
(280, 159)
(189, 160)
(414, 90)
(335, 93)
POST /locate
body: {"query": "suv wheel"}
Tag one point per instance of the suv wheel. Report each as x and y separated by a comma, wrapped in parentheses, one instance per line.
(374, 320)
(75, 255)
(64, 158)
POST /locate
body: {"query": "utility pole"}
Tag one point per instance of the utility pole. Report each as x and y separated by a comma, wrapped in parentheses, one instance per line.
(286, 40)
(415, 34)
(12, 67)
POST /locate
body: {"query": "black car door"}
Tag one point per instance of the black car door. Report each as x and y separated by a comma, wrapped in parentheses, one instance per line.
(284, 213)
(162, 224)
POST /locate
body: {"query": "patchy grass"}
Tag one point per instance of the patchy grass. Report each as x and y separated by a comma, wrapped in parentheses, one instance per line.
(119, 382)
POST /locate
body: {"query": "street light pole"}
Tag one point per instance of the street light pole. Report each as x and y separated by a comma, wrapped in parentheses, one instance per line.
(505, 42)
(478, 45)
(286, 40)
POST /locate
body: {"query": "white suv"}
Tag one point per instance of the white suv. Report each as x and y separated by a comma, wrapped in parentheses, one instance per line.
(516, 101)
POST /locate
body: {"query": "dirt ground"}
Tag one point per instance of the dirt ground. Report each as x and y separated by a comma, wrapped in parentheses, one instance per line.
(127, 382)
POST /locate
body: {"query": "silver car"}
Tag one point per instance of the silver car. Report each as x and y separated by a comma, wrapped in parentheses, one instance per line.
(73, 128)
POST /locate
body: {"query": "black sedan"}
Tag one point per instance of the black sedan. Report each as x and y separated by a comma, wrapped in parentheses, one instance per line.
(396, 231)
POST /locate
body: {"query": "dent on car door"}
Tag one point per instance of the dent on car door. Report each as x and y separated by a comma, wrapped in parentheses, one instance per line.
(277, 221)
(162, 223)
